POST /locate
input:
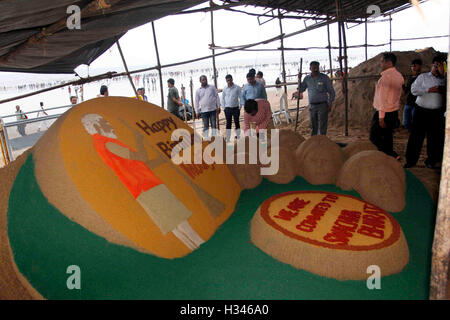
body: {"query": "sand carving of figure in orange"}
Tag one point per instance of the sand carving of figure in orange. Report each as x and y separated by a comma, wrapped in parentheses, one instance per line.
(135, 171)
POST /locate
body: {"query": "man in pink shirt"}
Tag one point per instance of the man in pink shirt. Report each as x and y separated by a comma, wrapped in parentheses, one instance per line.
(257, 111)
(386, 102)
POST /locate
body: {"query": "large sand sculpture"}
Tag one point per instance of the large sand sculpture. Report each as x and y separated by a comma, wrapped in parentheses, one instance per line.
(109, 172)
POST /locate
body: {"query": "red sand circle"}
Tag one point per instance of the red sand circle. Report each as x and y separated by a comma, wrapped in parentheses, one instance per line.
(394, 237)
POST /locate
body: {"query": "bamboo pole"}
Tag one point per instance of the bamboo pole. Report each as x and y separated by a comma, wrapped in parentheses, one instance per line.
(365, 37)
(390, 33)
(126, 68)
(345, 77)
(183, 97)
(329, 51)
(298, 89)
(341, 31)
(158, 67)
(282, 49)
(211, 4)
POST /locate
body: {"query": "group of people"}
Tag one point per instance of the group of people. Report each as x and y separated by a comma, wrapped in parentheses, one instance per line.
(424, 112)
(252, 96)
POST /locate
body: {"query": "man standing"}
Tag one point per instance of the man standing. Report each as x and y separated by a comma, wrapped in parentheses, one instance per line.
(230, 102)
(428, 117)
(408, 111)
(173, 98)
(141, 92)
(103, 92)
(207, 105)
(386, 101)
(20, 116)
(260, 78)
(73, 100)
(253, 89)
(321, 97)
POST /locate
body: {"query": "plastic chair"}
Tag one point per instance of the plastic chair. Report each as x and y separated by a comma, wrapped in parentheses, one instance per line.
(276, 115)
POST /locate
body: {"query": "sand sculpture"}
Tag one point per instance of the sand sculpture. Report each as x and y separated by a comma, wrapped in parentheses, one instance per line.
(319, 160)
(286, 168)
(141, 186)
(378, 178)
(110, 173)
(357, 146)
(329, 234)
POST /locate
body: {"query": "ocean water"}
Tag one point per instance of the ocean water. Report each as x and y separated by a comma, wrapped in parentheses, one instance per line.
(19, 84)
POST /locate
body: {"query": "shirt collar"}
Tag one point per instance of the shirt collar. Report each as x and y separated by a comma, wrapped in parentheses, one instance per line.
(389, 70)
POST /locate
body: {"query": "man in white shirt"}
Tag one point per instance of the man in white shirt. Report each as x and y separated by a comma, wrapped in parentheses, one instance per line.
(231, 106)
(207, 106)
(428, 118)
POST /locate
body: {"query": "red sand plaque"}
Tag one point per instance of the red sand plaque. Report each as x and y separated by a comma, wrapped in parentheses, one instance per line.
(330, 234)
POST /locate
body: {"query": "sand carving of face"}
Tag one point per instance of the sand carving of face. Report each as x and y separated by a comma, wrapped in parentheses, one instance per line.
(286, 168)
(378, 178)
(319, 160)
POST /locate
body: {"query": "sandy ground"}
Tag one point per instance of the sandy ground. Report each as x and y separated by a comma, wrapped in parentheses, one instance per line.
(429, 177)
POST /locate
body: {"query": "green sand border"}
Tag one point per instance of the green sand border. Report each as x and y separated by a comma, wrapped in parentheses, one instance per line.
(228, 266)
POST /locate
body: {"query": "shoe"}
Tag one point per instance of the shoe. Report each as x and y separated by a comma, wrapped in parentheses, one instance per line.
(407, 165)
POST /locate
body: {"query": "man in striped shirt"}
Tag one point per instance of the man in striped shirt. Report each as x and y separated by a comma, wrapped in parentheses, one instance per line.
(386, 102)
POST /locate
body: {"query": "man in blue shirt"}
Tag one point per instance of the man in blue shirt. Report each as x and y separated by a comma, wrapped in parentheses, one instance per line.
(253, 89)
(321, 96)
(230, 102)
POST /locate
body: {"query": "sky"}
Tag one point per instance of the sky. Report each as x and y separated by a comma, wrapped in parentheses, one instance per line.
(183, 37)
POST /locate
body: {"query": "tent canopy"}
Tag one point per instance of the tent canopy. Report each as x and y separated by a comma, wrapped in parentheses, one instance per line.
(350, 9)
(34, 36)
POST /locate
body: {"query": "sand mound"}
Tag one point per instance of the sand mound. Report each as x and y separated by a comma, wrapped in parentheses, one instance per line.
(357, 146)
(286, 168)
(361, 91)
(378, 178)
(319, 160)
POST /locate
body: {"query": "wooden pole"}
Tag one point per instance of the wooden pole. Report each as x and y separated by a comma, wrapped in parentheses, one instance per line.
(345, 78)
(329, 51)
(390, 33)
(441, 245)
(282, 50)
(211, 4)
(183, 97)
(365, 36)
(159, 65)
(298, 96)
(126, 68)
(191, 85)
(341, 31)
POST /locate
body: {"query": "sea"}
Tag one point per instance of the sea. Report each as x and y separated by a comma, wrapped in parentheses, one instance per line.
(17, 84)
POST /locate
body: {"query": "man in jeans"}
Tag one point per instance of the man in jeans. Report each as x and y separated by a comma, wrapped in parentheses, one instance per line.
(408, 111)
(207, 106)
(321, 96)
(230, 103)
(386, 101)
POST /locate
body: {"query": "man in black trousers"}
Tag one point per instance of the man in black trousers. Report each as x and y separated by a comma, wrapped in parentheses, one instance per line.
(429, 120)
